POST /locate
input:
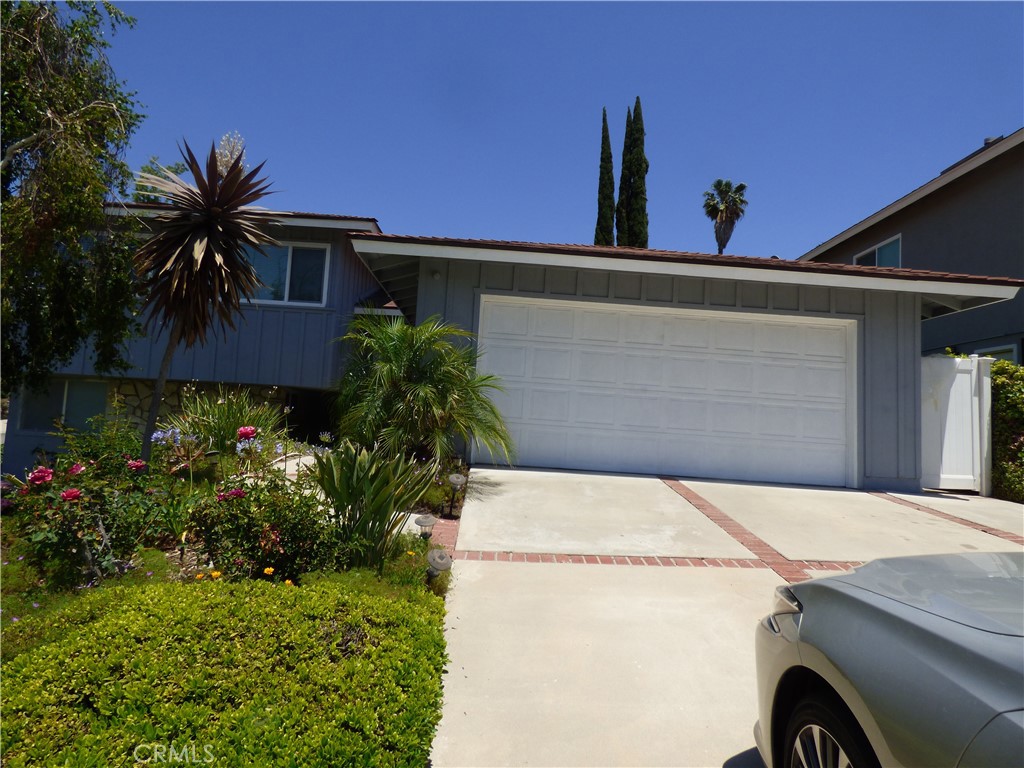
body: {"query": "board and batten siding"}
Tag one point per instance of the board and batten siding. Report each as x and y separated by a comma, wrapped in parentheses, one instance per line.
(286, 345)
(889, 335)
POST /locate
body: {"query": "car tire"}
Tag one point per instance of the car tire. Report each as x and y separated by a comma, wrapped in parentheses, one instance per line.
(822, 734)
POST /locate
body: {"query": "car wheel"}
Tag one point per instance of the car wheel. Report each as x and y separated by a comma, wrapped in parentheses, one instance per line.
(821, 734)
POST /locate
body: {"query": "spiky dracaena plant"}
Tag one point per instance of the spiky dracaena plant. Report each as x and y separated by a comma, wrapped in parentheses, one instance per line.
(414, 390)
(724, 205)
(194, 269)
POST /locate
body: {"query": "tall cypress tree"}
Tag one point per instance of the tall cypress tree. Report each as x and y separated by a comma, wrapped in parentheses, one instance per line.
(625, 186)
(637, 211)
(604, 232)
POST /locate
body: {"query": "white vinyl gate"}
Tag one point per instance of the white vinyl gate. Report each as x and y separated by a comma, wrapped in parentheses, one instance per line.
(956, 406)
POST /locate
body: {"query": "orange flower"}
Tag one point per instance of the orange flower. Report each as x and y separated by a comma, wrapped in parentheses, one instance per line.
(200, 575)
(269, 571)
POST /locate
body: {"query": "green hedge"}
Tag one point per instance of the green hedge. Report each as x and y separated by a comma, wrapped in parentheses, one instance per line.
(1008, 431)
(248, 673)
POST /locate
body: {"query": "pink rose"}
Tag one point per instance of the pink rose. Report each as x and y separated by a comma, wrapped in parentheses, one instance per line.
(76, 469)
(246, 433)
(137, 465)
(71, 494)
(40, 475)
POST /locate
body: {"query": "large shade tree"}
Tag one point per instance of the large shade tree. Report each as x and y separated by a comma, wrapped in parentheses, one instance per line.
(194, 270)
(724, 204)
(414, 390)
(65, 123)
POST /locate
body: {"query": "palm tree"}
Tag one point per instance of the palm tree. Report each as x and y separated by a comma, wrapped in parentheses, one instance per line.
(414, 390)
(724, 205)
(194, 269)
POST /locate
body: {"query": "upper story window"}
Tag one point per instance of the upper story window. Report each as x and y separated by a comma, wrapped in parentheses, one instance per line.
(885, 255)
(294, 273)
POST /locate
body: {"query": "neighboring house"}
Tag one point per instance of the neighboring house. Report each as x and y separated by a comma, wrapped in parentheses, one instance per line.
(611, 359)
(654, 362)
(283, 345)
(969, 219)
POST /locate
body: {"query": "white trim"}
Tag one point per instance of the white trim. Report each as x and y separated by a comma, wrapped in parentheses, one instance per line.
(874, 250)
(688, 269)
(851, 326)
(343, 224)
(986, 155)
(290, 245)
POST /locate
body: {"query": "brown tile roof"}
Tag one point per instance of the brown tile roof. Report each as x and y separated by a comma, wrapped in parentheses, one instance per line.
(686, 257)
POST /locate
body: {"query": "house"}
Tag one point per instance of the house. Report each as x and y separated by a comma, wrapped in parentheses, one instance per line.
(968, 219)
(611, 359)
(283, 346)
(628, 360)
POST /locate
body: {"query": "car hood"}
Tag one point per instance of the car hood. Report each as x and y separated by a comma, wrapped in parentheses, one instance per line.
(984, 590)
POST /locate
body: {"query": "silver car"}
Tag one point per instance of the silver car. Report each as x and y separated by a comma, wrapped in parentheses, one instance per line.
(910, 661)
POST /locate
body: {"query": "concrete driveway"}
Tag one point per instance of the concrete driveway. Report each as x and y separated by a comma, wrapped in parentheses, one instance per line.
(600, 620)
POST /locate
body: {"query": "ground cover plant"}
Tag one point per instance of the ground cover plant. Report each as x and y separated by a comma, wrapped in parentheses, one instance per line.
(247, 673)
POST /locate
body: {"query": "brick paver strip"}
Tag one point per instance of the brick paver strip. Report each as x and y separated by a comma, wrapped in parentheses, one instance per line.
(951, 518)
(446, 533)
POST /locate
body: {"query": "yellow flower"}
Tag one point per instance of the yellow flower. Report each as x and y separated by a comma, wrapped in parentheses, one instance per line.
(410, 552)
(199, 575)
(269, 571)
(214, 574)
(288, 582)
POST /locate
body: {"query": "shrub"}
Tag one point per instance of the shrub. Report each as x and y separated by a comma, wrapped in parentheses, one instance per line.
(215, 418)
(414, 390)
(246, 673)
(276, 523)
(368, 495)
(1008, 431)
(82, 522)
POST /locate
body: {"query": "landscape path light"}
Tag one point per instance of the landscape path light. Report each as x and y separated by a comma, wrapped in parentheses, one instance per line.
(458, 482)
(438, 561)
(426, 524)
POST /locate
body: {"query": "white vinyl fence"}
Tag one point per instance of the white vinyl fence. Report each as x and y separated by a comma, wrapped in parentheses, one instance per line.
(956, 429)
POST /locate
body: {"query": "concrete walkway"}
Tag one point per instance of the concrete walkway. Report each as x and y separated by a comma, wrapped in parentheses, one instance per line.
(600, 620)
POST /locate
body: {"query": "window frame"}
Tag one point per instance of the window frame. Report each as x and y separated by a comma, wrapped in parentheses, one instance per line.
(1011, 347)
(874, 250)
(291, 245)
(65, 382)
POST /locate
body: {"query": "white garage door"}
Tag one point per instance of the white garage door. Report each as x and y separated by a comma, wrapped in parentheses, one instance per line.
(673, 392)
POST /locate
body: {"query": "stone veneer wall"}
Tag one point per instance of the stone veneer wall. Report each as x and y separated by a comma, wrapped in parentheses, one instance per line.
(135, 395)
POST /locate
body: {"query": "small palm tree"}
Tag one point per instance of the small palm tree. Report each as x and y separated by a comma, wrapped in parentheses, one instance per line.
(414, 390)
(724, 205)
(194, 269)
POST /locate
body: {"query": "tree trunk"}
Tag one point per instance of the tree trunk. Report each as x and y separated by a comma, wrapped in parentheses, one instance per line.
(158, 388)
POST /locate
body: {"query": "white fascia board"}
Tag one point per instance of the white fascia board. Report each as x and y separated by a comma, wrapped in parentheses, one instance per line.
(684, 269)
(1011, 141)
(345, 224)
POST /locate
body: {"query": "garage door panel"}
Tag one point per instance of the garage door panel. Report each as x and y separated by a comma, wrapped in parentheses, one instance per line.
(598, 367)
(683, 392)
(548, 405)
(644, 370)
(735, 335)
(687, 332)
(599, 326)
(732, 376)
(595, 408)
(553, 323)
(551, 363)
(507, 319)
(644, 329)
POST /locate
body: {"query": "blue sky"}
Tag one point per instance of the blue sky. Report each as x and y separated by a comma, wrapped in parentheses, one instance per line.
(484, 119)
